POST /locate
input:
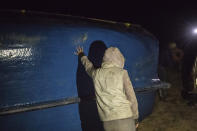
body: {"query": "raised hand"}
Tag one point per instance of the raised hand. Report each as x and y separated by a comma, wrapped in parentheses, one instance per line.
(78, 50)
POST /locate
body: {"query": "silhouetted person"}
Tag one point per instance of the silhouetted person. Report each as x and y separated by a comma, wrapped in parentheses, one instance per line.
(170, 60)
(188, 72)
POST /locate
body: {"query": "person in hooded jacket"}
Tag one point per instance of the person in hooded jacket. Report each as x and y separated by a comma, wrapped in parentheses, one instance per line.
(116, 101)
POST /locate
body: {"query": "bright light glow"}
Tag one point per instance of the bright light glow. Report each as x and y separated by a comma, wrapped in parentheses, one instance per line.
(195, 31)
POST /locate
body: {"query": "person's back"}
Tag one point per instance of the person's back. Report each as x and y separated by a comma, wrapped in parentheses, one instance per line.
(110, 93)
(116, 100)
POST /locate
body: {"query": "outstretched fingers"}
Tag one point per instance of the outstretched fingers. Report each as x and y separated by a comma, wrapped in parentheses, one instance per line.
(78, 50)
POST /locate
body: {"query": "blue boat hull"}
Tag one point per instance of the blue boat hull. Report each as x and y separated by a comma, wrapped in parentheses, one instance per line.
(37, 64)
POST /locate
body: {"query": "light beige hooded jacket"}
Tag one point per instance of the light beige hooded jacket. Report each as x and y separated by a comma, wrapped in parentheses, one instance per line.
(115, 96)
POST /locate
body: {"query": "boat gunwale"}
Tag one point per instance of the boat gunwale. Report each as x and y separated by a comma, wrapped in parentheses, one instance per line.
(79, 20)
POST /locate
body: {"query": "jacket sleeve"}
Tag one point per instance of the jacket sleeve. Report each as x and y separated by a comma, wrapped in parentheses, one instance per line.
(130, 94)
(87, 65)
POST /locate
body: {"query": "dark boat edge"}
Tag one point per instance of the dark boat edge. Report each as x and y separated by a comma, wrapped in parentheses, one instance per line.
(120, 26)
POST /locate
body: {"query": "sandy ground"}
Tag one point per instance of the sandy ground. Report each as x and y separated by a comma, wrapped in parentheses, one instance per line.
(173, 114)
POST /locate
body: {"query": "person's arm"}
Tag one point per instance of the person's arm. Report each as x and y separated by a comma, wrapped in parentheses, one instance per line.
(85, 61)
(130, 94)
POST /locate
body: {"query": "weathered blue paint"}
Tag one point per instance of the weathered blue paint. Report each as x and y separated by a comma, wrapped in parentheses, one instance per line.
(37, 64)
(63, 118)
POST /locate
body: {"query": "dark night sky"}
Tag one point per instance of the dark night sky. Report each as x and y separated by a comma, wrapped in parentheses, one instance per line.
(168, 21)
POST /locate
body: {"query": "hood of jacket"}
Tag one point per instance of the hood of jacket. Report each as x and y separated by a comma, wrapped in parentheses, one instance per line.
(113, 57)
